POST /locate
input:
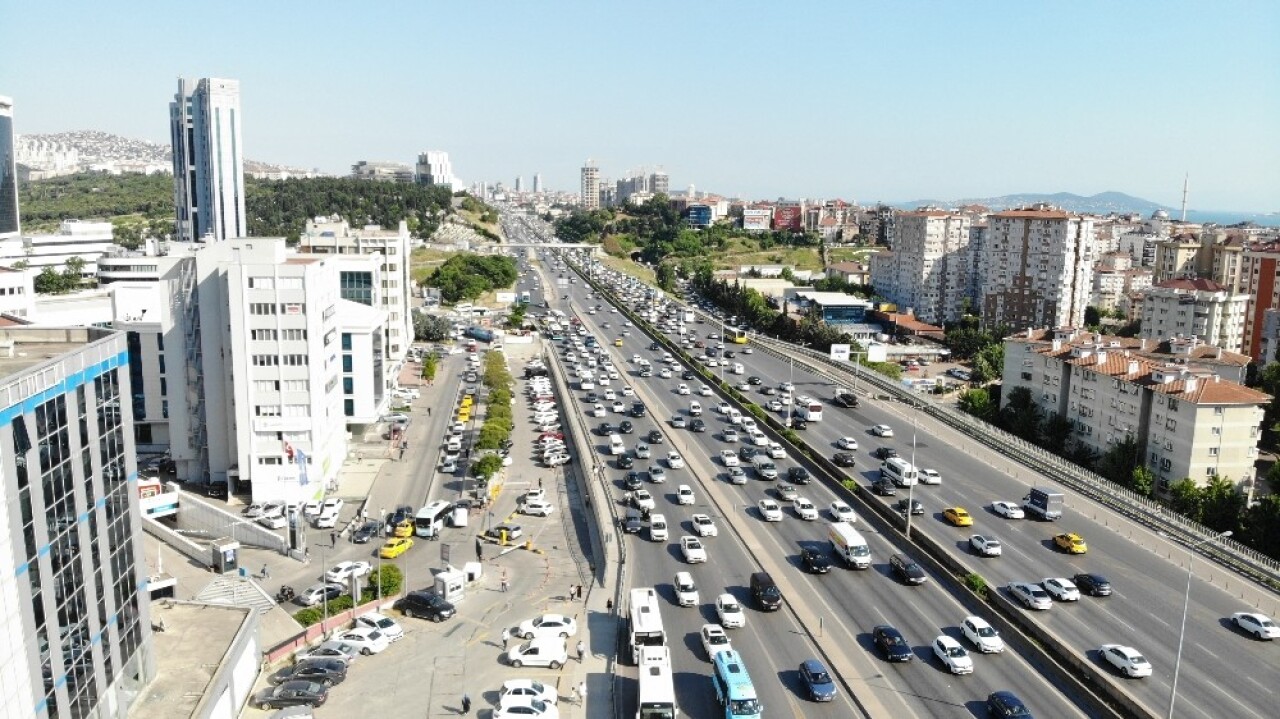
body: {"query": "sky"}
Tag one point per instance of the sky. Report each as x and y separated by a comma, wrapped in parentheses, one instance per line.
(865, 101)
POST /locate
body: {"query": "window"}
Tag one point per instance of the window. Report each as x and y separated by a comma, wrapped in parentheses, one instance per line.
(266, 360)
(262, 308)
(266, 410)
(295, 334)
(164, 387)
(294, 385)
(297, 410)
(262, 335)
(346, 341)
(346, 363)
(1166, 464)
(270, 461)
(289, 283)
(295, 360)
(1213, 451)
(1210, 471)
(1217, 411)
(349, 407)
(1171, 424)
(1216, 430)
(348, 385)
(262, 283)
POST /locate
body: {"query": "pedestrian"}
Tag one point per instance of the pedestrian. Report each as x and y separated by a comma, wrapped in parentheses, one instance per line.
(571, 591)
(582, 650)
(506, 637)
(479, 550)
(539, 482)
(504, 579)
(582, 692)
(466, 703)
(608, 605)
(333, 539)
(428, 411)
(573, 695)
(306, 556)
(266, 574)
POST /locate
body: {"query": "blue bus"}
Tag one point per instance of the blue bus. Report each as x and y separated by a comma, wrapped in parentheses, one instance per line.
(734, 689)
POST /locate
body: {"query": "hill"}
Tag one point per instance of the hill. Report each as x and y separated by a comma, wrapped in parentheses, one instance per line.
(92, 147)
(1102, 203)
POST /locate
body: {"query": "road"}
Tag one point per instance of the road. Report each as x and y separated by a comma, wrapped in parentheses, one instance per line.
(849, 602)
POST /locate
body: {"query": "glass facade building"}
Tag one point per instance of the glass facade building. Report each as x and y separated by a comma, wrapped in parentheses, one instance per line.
(8, 172)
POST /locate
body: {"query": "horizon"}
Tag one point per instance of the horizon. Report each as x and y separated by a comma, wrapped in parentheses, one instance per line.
(872, 104)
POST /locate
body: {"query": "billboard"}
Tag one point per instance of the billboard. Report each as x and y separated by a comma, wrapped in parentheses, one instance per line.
(788, 218)
(756, 220)
(506, 298)
(840, 353)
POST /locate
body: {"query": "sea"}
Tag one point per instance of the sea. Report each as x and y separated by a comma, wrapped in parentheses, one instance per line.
(1266, 219)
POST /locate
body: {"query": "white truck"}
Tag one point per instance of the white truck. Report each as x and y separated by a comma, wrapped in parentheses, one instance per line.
(849, 545)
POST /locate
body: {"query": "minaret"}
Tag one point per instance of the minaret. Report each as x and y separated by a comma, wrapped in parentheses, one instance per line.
(1186, 179)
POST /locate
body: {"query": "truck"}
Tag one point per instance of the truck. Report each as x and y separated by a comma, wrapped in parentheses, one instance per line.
(687, 316)
(1043, 502)
(849, 545)
(844, 397)
(480, 333)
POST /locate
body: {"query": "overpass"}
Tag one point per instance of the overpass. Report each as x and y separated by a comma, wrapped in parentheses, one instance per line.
(594, 249)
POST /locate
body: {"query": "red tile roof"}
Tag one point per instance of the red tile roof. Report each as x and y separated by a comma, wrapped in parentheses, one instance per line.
(1192, 284)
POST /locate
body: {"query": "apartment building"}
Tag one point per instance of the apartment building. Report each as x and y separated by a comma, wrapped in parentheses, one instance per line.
(1260, 279)
(434, 168)
(1269, 342)
(590, 186)
(1036, 268)
(1115, 278)
(1179, 257)
(1187, 419)
(17, 292)
(1195, 307)
(927, 270)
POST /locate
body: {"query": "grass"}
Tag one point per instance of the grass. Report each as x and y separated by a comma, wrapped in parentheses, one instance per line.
(424, 261)
(849, 254)
(623, 264)
(802, 258)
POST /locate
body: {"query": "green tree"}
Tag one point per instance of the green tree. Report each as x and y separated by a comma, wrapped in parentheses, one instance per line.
(666, 276)
(1021, 415)
(1273, 478)
(1142, 481)
(429, 328)
(486, 467)
(1092, 318)
(429, 366)
(1185, 498)
(50, 282)
(1260, 526)
(1055, 432)
(1118, 462)
(1221, 504)
(977, 402)
(1269, 382)
(988, 365)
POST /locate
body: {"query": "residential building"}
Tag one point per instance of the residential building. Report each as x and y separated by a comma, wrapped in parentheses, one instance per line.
(659, 183)
(1141, 246)
(208, 160)
(1115, 278)
(1260, 279)
(17, 292)
(1199, 308)
(434, 168)
(1188, 421)
(77, 618)
(1179, 257)
(74, 238)
(590, 186)
(1036, 268)
(927, 270)
(1226, 263)
(1269, 342)
(382, 171)
(9, 224)
(855, 273)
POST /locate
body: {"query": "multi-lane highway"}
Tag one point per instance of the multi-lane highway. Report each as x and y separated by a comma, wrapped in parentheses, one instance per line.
(843, 605)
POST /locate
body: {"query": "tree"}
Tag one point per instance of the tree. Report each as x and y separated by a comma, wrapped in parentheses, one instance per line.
(1269, 382)
(977, 402)
(429, 328)
(1021, 415)
(429, 366)
(988, 365)
(1142, 481)
(1184, 498)
(1221, 504)
(1273, 478)
(666, 276)
(1092, 318)
(1118, 462)
(50, 282)
(1260, 526)
(486, 467)
(1055, 432)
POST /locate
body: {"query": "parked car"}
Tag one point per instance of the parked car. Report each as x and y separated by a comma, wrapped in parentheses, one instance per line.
(318, 593)
(541, 652)
(548, 625)
(293, 693)
(426, 604)
(321, 671)
(389, 627)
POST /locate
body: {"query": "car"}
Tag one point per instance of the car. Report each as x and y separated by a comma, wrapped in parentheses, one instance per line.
(548, 625)
(327, 672)
(841, 512)
(528, 688)
(884, 487)
(292, 694)
(907, 569)
(541, 652)
(983, 636)
(343, 571)
(598, 410)
(633, 481)
(815, 561)
(642, 499)
(330, 650)
(884, 453)
(786, 493)
(1258, 625)
(1008, 510)
(1032, 596)
(1095, 585)
(703, 526)
(754, 381)
(657, 474)
(384, 624)
(746, 453)
(394, 547)
(618, 408)
(714, 640)
(916, 508)
(843, 459)
(957, 516)
(737, 475)
(730, 613)
(798, 422)
(1061, 589)
(632, 523)
(684, 494)
(317, 593)
(697, 425)
(679, 422)
(821, 687)
(655, 437)
(953, 656)
(930, 476)
(704, 390)
(774, 405)
(1070, 542)
(806, 509)
(625, 427)
(537, 508)
(729, 458)
(624, 461)
(986, 546)
(892, 643)
(642, 451)
(687, 374)
(664, 373)
(404, 528)
(1127, 660)
(686, 591)
(367, 640)
(771, 392)
(636, 407)
(367, 531)
(882, 430)
(674, 460)
(742, 387)
(770, 510)
(1007, 704)
(692, 549)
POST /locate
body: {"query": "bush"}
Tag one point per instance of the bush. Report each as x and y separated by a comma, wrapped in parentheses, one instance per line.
(977, 584)
(850, 485)
(389, 575)
(791, 436)
(758, 412)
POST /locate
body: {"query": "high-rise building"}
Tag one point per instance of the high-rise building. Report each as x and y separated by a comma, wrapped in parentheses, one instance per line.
(1260, 279)
(590, 186)
(519, 183)
(537, 183)
(1036, 268)
(1194, 307)
(77, 618)
(659, 183)
(434, 168)
(208, 160)
(928, 269)
(9, 225)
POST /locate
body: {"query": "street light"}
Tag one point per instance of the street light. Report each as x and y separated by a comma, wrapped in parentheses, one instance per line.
(912, 486)
(1186, 601)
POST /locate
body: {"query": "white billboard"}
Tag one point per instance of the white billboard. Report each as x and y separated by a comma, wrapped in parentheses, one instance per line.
(840, 353)
(757, 220)
(506, 298)
(877, 352)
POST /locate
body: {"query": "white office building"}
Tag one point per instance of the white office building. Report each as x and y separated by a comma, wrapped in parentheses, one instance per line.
(1036, 268)
(74, 238)
(1199, 308)
(208, 160)
(9, 224)
(434, 168)
(17, 292)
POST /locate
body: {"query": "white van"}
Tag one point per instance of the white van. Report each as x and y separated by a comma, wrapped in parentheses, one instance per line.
(902, 472)
(658, 528)
(616, 447)
(738, 368)
(686, 590)
(695, 408)
(735, 415)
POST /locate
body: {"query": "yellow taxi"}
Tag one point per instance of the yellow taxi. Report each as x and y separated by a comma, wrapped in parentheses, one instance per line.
(465, 404)
(464, 415)
(617, 342)
(404, 529)
(1071, 543)
(395, 547)
(957, 516)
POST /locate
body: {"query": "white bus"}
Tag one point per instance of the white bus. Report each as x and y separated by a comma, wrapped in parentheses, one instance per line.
(657, 690)
(646, 623)
(430, 519)
(808, 408)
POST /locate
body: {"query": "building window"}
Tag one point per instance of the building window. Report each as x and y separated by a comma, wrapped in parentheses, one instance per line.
(262, 283)
(1210, 471)
(346, 363)
(346, 341)
(270, 461)
(164, 387)
(348, 385)
(266, 360)
(1171, 424)
(262, 308)
(349, 407)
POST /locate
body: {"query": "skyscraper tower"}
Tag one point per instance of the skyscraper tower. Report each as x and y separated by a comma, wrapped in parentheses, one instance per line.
(519, 183)
(590, 186)
(537, 182)
(9, 225)
(208, 160)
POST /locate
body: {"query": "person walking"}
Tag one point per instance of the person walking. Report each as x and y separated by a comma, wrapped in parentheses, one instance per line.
(479, 550)
(506, 637)
(582, 692)
(266, 573)
(428, 411)
(466, 703)
(608, 605)
(573, 695)
(333, 539)
(582, 650)
(504, 579)
(539, 482)
(306, 556)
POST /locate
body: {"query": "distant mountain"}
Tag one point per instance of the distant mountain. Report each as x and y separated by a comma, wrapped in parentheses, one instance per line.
(80, 148)
(1100, 204)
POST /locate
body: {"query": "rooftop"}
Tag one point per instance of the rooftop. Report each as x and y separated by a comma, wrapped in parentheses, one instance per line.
(191, 648)
(1201, 284)
(832, 299)
(24, 347)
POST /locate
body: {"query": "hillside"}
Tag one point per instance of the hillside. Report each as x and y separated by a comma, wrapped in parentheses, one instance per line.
(1100, 204)
(96, 147)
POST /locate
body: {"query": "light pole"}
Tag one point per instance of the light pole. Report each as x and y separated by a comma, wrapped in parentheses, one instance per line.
(1186, 601)
(912, 486)
(382, 527)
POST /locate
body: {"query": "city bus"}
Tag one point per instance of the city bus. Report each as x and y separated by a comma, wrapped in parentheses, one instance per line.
(738, 337)
(808, 408)
(430, 519)
(645, 622)
(733, 686)
(657, 690)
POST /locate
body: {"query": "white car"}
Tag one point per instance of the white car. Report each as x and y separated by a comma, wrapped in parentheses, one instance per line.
(770, 510)
(774, 405)
(528, 688)
(805, 509)
(539, 653)
(343, 571)
(714, 640)
(538, 508)
(1259, 625)
(704, 527)
(982, 634)
(683, 389)
(619, 408)
(627, 391)
(985, 546)
(388, 626)
(674, 460)
(1061, 589)
(758, 438)
(684, 494)
(930, 476)
(722, 408)
(610, 395)
(407, 393)
(729, 435)
(686, 590)
(952, 655)
(730, 612)
(776, 451)
(1008, 510)
(847, 443)
(1127, 659)
(331, 649)
(882, 430)
(598, 410)
(704, 390)
(1032, 596)
(642, 451)
(841, 512)
(692, 549)
(548, 625)
(729, 458)
(368, 641)
(311, 509)
(328, 520)
(642, 499)
(664, 373)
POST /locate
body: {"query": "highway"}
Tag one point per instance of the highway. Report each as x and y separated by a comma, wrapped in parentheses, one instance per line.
(843, 605)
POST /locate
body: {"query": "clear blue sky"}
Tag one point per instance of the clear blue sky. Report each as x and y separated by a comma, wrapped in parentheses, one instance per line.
(861, 100)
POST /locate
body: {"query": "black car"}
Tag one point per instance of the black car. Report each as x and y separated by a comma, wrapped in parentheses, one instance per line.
(815, 560)
(730, 354)
(625, 462)
(698, 425)
(884, 487)
(654, 437)
(321, 671)
(884, 453)
(637, 409)
(746, 452)
(843, 459)
(907, 569)
(634, 481)
(894, 645)
(916, 507)
(367, 531)
(798, 475)
(292, 694)
(769, 391)
(798, 422)
(426, 605)
(633, 522)
(1007, 704)
(754, 380)
(1095, 585)
(402, 513)
(687, 374)
(654, 346)
(605, 429)
(626, 427)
